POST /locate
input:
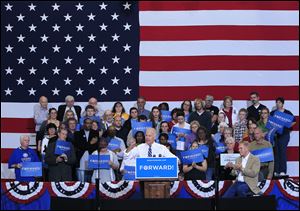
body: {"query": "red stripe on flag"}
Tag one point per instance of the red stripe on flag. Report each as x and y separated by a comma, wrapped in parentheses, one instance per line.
(296, 126)
(174, 63)
(218, 5)
(236, 92)
(5, 154)
(160, 33)
(292, 154)
(17, 125)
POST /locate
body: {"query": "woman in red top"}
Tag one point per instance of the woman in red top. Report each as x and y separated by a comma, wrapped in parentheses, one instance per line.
(229, 111)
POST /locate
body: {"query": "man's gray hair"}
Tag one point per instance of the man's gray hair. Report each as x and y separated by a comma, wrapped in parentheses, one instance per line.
(69, 98)
(22, 137)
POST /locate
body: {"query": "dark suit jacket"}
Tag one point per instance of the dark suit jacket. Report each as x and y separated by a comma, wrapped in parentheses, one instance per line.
(59, 171)
(81, 144)
(61, 112)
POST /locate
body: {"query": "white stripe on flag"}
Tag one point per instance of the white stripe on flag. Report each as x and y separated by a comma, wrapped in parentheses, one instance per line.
(7, 173)
(219, 47)
(12, 140)
(219, 17)
(217, 78)
(293, 168)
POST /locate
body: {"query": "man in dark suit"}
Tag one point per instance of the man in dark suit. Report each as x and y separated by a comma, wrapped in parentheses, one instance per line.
(85, 143)
(60, 166)
(255, 109)
(62, 109)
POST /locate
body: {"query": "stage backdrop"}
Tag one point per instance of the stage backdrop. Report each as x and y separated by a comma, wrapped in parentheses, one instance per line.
(165, 51)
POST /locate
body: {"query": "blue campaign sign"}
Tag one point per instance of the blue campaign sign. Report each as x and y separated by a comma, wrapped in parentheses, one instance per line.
(271, 135)
(178, 130)
(140, 126)
(166, 115)
(62, 147)
(190, 156)
(114, 144)
(31, 169)
(172, 140)
(264, 155)
(220, 148)
(275, 123)
(284, 117)
(101, 163)
(129, 173)
(204, 150)
(156, 168)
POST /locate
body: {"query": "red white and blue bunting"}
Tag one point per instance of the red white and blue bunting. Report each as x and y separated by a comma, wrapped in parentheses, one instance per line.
(202, 189)
(71, 189)
(175, 188)
(24, 192)
(266, 186)
(117, 190)
(289, 188)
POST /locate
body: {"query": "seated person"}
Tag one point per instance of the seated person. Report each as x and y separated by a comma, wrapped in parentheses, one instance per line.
(266, 168)
(246, 168)
(195, 171)
(224, 173)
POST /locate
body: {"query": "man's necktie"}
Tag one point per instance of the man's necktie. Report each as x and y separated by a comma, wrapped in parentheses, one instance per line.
(149, 152)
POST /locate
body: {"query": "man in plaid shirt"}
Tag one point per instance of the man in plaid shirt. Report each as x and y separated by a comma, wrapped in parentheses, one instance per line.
(241, 126)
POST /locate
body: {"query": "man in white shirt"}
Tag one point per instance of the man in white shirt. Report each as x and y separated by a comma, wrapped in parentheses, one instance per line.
(150, 148)
(247, 169)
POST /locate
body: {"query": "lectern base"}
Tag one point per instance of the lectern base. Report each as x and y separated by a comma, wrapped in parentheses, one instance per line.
(157, 190)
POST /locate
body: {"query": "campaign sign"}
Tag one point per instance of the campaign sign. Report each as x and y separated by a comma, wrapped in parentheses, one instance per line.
(220, 148)
(275, 123)
(172, 140)
(156, 168)
(284, 117)
(178, 130)
(166, 115)
(129, 173)
(264, 155)
(62, 147)
(204, 150)
(140, 126)
(190, 156)
(31, 169)
(102, 162)
(226, 158)
(114, 144)
(271, 135)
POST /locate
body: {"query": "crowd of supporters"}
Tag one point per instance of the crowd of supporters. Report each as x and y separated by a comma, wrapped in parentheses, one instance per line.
(90, 130)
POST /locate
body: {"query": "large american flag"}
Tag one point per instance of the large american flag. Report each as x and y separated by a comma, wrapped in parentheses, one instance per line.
(164, 51)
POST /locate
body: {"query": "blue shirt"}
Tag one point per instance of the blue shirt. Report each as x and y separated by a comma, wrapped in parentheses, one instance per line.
(20, 155)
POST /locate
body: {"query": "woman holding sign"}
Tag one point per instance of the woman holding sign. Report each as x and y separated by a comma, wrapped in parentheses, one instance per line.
(282, 140)
(108, 163)
(195, 171)
(208, 150)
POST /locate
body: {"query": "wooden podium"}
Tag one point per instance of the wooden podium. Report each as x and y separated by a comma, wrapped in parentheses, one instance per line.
(155, 175)
(157, 189)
